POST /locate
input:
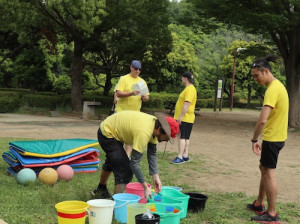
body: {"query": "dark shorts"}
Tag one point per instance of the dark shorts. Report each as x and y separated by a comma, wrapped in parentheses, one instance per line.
(116, 160)
(185, 130)
(269, 153)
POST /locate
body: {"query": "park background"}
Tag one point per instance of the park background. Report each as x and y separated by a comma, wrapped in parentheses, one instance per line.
(54, 55)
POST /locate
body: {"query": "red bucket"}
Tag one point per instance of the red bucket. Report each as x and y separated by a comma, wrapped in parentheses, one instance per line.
(138, 189)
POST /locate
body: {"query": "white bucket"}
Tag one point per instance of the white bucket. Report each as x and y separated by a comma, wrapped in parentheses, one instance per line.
(100, 211)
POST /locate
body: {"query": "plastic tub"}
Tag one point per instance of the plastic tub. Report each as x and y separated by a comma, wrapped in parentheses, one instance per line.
(177, 195)
(71, 212)
(196, 202)
(172, 187)
(134, 209)
(138, 189)
(122, 199)
(168, 217)
(140, 220)
(165, 200)
(100, 211)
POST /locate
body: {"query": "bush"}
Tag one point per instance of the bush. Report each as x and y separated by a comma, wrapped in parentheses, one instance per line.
(201, 103)
(9, 104)
(159, 100)
(62, 84)
(42, 101)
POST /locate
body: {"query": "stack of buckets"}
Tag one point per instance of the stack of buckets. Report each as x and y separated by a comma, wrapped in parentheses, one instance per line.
(132, 204)
(127, 208)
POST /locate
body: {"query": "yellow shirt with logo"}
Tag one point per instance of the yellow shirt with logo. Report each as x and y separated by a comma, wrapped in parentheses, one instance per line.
(277, 124)
(132, 102)
(130, 127)
(188, 94)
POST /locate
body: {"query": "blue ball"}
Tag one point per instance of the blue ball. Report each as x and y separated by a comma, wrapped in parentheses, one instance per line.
(25, 176)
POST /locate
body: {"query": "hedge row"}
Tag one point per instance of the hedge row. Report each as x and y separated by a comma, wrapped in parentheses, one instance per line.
(10, 101)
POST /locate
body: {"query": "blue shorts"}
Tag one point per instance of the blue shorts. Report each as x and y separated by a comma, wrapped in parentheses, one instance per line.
(185, 130)
(116, 160)
(269, 153)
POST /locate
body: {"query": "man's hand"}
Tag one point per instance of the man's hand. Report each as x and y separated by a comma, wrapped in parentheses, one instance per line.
(134, 93)
(256, 147)
(156, 183)
(144, 97)
(147, 191)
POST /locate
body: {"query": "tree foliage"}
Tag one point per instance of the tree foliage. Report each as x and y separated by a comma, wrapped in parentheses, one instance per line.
(278, 20)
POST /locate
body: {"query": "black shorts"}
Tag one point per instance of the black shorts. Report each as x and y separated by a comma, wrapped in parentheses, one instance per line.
(269, 153)
(185, 130)
(116, 160)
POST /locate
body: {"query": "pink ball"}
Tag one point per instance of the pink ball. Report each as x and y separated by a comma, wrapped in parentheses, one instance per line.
(65, 172)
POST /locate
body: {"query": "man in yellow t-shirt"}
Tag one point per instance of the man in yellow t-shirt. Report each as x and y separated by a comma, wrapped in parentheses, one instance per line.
(273, 125)
(129, 97)
(140, 130)
(185, 116)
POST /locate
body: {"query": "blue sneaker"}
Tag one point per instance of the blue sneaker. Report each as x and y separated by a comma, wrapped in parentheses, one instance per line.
(177, 160)
(186, 159)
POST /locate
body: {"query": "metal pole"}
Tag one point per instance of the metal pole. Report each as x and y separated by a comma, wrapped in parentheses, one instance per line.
(232, 84)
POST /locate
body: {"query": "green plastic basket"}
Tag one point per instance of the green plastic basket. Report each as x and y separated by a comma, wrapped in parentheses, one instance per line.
(176, 195)
(165, 217)
(168, 201)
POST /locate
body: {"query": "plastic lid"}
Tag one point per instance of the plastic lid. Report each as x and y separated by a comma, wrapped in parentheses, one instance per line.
(157, 198)
(169, 209)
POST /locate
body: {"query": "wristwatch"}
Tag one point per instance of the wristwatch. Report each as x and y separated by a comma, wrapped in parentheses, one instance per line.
(254, 140)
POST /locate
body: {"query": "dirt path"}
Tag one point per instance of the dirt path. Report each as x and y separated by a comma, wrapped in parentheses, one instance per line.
(220, 140)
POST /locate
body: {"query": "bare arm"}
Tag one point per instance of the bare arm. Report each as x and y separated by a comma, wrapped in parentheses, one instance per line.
(121, 94)
(260, 124)
(185, 109)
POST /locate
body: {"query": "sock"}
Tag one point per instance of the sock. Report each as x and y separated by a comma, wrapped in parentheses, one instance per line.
(102, 186)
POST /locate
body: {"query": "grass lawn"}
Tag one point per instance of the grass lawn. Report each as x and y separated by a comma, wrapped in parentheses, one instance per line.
(34, 203)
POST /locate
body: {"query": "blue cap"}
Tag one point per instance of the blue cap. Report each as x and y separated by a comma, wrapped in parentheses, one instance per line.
(136, 64)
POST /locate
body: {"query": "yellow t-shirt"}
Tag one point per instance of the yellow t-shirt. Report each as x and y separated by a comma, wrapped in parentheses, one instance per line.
(130, 127)
(188, 94)
(277, 124)
(132, 102)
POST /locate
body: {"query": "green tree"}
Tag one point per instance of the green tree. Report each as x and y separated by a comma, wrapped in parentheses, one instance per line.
(135, 30)
(30, 70)
(19, 36)
(244, 58)
(279, 20)
(77, 21)
(182, 58)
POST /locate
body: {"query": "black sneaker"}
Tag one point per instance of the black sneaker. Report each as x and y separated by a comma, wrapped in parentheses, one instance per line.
(101, 193)
(266, 218)
(258, 209)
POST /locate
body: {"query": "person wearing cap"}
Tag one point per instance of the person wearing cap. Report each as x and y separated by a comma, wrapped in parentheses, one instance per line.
(128, 98)
(140, 130)
(185, 116)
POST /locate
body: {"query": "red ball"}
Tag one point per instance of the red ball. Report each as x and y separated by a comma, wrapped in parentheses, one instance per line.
(65, 172)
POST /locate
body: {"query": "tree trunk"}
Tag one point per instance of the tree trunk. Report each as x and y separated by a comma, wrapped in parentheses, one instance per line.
(108, 84)
(292, 66)
(76, 77)
(293, 88)
(249, 96)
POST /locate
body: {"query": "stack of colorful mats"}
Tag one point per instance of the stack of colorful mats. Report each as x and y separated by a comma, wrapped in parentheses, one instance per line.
(78, 153)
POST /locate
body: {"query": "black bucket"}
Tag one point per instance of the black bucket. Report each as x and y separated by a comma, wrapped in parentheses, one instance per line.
(196, 202)
(140, 220)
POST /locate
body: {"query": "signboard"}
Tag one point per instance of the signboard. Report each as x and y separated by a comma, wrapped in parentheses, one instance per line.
(219, 93)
